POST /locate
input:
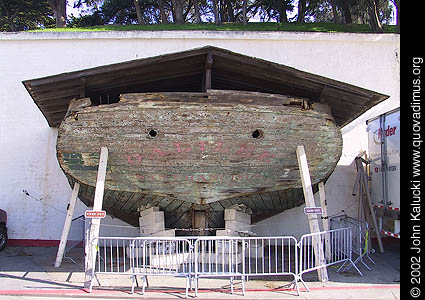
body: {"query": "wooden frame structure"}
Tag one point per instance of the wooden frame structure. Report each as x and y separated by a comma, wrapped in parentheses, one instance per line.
(197, 70)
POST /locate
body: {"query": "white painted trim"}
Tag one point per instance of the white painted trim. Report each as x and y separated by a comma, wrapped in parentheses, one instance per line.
(204, 35)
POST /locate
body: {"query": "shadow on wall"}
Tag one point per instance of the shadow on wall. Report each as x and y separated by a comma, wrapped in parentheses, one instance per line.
(293, 222)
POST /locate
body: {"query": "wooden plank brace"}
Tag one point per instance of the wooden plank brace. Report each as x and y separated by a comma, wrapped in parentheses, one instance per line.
(93, 232)
(312, 219)
(67, 225)
(325, 219)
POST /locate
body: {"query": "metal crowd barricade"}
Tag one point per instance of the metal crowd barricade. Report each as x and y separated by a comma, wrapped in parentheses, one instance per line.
(360, 235)
(162, 257)
(219, 257)
(244, 257)
(337, 249)
(146, 256)
(113, 257)
(271, 256)
(229, 257)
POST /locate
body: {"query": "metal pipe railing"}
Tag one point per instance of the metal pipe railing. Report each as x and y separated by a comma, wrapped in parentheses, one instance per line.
(340, 244)
(230, 257)
(360, 236)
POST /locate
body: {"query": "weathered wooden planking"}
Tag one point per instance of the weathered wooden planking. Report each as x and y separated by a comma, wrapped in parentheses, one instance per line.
(213, 146)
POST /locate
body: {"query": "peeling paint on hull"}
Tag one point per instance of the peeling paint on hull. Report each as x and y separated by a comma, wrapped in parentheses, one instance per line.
(196, 150)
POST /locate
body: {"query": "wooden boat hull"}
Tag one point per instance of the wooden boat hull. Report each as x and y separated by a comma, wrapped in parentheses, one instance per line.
(197, 148)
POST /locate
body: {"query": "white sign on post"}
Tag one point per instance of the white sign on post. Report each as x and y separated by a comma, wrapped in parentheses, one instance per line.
(92, 214)
(313, 210)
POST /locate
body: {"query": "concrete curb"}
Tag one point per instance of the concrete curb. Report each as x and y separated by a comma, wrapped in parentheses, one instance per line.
(166, 294)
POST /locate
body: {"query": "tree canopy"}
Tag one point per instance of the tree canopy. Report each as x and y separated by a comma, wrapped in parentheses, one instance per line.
(24, 15)
(19, 15)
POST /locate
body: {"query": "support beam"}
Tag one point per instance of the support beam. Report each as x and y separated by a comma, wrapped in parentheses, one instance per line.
(93, 233)
(200, 220)
(67, 225)
(322, 96)
(362, 181)
(207, 75)
(312, 219)
(83, 83)
(325, 219)
(372, 213)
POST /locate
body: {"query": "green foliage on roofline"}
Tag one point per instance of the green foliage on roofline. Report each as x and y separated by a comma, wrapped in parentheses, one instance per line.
(254, 26)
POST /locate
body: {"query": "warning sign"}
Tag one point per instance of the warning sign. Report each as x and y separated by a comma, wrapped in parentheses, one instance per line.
(313, 210)
(92, 214)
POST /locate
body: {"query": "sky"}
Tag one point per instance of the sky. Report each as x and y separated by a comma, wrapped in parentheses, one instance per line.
(71, 10)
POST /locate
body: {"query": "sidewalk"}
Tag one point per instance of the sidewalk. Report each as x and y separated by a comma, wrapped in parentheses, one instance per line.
(29, 271)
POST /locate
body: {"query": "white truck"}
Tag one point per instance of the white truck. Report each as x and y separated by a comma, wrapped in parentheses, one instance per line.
(384, 156)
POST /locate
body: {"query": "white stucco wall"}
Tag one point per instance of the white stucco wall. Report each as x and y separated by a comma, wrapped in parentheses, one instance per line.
(27, 144)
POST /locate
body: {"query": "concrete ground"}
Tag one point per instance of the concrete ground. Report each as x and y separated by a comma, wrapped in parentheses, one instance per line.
(28, 272)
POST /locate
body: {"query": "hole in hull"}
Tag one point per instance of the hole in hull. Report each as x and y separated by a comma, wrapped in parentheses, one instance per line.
(258, 133)
(152, 133)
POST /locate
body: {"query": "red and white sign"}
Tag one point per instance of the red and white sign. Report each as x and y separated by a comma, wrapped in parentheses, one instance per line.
(92, 214)
(389, 207)
(389, 233)
(313, 210)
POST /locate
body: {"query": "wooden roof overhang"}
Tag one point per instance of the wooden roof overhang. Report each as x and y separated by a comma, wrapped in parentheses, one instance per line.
(195, 71)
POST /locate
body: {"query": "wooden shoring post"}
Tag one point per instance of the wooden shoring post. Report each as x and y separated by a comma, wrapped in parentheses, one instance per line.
(357, 189)
(365, 207)
(312, 219)
(322, 96)
(372, 213)
(356, 182)
(363, 189)
(67, 225)
(325, 219)
(93, 233)
(83, 82)
(367, 174)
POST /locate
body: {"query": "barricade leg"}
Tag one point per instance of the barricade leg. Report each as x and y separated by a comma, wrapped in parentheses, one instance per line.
(243, 285)
(231, 285)
(97, 279)
(297, 288)
(351, 264)
(294, 283)
(93, 276)
(191, 282)
(364, 264)
(134, 282)
(355, 267)
(340, 268)
(299, 278)
(144, 284)
(196, 285)
(187, 285)
(358, 259)
(367, 255)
